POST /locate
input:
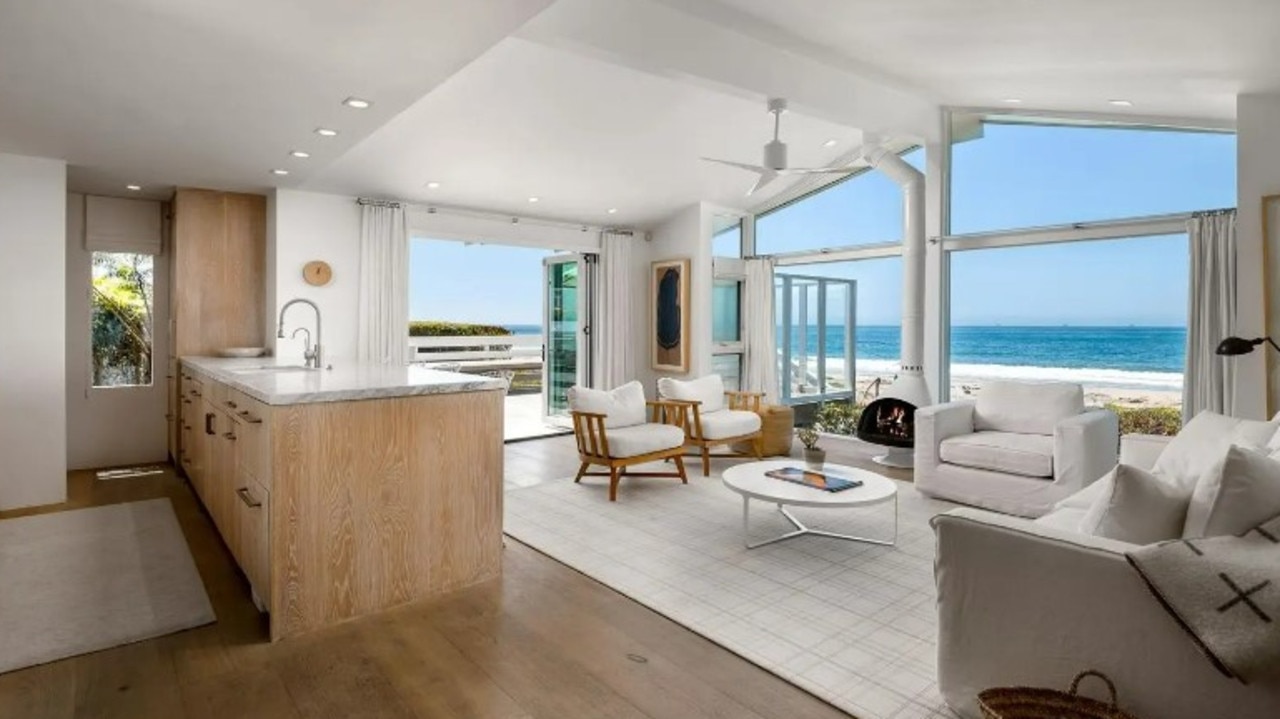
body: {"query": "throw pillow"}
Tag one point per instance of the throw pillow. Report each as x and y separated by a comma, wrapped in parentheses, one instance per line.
(708, 390)
(1136, 506)
(1239, 492)
(1202, 442)
(622, 407)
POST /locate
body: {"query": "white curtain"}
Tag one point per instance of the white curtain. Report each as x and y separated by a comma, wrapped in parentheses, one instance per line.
(384, 284)
(615, 311)
(1210, 380)
(761, 362)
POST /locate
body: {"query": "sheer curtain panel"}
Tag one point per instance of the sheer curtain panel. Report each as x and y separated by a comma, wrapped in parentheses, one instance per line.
(616, 307)
(384, 284)
(1210, 379)
(761, 371)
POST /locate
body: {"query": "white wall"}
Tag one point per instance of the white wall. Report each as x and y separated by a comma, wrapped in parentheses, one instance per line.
(686, 234)
(33, 411)
(1258, 174)
(305, 226)
(114, 426)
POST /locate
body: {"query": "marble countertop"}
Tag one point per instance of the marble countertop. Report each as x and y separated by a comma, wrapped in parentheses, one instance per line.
(265, 380)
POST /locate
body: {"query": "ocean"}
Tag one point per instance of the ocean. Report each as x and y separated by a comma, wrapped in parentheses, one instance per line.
(1131, 357)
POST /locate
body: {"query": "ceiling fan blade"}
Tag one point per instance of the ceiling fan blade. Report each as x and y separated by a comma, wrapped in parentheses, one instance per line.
(739, 165)
(765, 178)
(846, 169)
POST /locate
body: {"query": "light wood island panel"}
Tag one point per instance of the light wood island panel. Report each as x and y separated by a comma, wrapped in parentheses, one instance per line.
(377, 503)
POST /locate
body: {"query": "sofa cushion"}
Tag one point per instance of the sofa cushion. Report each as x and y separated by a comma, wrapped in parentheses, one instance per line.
(622, 407)
(1026, 407)
(1136, 506)
(1064, 518)
(729, 423)
(1203, 441)
(641, 439)
(708, 390)
(1240, 491)
(1029, 455)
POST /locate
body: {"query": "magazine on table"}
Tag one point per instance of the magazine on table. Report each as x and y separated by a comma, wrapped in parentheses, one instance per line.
(826, 481)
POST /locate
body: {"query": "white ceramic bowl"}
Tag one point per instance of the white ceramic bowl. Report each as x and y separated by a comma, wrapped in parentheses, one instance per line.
(242, 351)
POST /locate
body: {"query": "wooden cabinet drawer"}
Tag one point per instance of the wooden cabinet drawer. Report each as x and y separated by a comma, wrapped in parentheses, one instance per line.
(254, 420)
(252, 540)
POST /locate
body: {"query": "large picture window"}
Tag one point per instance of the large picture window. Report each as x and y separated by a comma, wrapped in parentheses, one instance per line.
(1018, 175)
(122, 299)
(1116, 324)
(864, 209)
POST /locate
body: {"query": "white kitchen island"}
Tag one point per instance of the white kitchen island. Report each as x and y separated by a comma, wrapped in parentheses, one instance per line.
(348, 491)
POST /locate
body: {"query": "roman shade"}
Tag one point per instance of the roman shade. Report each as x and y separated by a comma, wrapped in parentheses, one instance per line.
(112, 224)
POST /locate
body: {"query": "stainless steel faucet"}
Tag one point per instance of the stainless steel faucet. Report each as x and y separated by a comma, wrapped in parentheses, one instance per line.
(311, 355)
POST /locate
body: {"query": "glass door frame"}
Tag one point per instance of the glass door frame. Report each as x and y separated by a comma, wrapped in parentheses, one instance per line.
(584, 306)
(783, 287)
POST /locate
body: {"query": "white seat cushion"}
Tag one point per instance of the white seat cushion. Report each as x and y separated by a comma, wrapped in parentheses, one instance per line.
(708, 390)
(622, 407)
(1029, 455)
(641, 439)
(729, 423)
(1026, 407)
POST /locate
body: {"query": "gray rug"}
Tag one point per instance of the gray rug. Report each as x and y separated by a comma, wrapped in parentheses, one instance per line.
(89, 579)
(852, 623)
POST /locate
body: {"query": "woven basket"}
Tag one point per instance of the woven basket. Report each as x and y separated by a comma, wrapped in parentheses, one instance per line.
(1033, 703)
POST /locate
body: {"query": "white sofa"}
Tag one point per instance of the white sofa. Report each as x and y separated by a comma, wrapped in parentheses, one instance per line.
(1034, 602)
(1019, 448)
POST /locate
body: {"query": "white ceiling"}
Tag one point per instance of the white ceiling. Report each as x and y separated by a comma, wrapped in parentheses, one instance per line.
(1173, 58)
(589, 104)
(215, 93)
(580, 134)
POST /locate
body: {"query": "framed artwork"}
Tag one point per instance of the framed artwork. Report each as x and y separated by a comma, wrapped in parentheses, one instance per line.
(669, 300)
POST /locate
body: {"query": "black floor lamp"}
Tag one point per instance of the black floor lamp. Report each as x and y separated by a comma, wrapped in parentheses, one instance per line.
(1232, 346)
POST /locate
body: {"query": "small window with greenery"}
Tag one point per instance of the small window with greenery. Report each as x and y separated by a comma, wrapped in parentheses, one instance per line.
(122, 302)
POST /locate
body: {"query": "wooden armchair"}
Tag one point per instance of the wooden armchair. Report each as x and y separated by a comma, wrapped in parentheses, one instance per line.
(617, 448)
(716, 417)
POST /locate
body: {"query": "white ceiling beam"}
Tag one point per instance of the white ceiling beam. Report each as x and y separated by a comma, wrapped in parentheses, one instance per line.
(656, 38)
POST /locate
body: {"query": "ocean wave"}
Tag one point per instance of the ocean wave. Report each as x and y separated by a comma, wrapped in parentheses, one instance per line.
(1125, 379)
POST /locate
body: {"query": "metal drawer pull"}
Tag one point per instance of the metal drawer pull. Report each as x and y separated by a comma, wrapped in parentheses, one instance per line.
(252, 420)
(245, 497)
(186, 401)
(230, 404)
(169, 417)
(196, 394)
(230, 435)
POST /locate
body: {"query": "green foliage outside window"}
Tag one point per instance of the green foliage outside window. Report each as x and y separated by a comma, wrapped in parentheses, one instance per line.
(122, 297)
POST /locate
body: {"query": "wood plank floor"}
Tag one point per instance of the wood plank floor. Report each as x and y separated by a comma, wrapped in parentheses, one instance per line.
(542, 641)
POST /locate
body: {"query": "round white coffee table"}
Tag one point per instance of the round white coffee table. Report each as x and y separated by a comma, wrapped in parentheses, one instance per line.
(750, 481)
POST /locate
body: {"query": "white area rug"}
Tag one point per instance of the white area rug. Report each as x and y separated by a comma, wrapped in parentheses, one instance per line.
(852, 623)
(89, 579)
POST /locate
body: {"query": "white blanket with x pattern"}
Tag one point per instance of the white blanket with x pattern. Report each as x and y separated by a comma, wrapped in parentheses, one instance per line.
(1225, 592)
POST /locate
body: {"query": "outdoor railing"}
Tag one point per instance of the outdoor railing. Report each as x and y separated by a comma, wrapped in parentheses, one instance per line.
(458, 349)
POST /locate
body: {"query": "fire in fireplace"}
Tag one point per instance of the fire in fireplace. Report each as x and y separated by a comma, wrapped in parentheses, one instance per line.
(888, 421)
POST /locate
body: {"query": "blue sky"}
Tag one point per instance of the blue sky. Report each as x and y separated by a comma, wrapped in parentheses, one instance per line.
(1014, 176)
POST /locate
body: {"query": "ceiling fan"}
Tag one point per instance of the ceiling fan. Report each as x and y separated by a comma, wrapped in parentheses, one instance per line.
(775, 156)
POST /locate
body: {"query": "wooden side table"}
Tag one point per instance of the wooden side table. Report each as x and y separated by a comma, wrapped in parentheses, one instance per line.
(778, 425)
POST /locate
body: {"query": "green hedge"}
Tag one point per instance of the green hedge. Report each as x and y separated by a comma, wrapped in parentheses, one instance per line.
(435, 328)
(839, 417)
(1148, 420)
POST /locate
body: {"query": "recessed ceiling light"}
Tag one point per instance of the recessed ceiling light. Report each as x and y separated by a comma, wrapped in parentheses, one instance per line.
(432, 185)
(326, 132)
(133, 188)
(279, 171)
(830, 143)
(1013, 100)
(1120, 103)
(612, 210)
(534, 199)
(357, 103)
(300, 154)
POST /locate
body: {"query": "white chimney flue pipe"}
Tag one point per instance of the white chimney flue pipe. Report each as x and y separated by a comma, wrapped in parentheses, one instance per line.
(910, 385)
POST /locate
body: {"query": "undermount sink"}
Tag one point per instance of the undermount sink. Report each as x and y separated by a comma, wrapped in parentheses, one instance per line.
(271, 368)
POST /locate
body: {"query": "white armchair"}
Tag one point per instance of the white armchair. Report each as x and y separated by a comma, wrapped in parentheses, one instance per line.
(1018, 449)
(715, 416)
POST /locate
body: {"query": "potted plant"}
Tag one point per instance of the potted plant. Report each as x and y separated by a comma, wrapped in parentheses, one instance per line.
(814, 456)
